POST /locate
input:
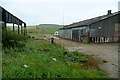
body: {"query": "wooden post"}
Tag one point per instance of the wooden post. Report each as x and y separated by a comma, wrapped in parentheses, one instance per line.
(5, 26)
(52, 40)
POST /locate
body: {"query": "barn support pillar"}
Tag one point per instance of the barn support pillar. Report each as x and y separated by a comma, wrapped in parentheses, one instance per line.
(4, 26)
(103, 39)
(98, 39)
(112, 38)
(107, 38)
(25, 29)
(21, 30)
(90, 39)
(13, 28)
(18, 29)
(93, 39)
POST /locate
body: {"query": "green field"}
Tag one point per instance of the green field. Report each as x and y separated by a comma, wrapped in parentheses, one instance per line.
(40, 29)
(45, 29)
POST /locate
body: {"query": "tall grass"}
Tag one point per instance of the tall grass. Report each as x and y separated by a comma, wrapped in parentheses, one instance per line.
(45, 60)
(12, 39)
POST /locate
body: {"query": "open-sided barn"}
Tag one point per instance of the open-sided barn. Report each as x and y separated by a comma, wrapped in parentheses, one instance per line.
(99, 29)
(6, 17)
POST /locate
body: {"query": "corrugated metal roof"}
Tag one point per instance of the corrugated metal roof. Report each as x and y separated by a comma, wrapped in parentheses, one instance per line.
(8, 17)
(90, 21)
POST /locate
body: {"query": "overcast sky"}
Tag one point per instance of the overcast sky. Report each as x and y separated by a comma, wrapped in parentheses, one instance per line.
(35, 12)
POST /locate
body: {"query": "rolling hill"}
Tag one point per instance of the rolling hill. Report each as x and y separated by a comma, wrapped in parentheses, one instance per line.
(44, 28)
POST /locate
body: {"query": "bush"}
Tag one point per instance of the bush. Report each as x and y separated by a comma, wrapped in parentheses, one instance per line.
(11, 39)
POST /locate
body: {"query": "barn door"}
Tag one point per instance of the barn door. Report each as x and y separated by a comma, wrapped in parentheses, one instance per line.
(75, 35)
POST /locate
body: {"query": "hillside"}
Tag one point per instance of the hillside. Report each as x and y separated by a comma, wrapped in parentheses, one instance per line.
(47, 24)
(44, 29)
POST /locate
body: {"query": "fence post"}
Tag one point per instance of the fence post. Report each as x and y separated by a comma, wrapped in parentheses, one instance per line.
(52, 40)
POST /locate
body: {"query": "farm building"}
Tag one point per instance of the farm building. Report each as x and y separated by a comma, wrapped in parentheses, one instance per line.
(99, 29)
(8, 18)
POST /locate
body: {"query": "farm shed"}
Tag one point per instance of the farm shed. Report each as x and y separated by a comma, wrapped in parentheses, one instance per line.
(66, 33)
(6, 17)
(99, 29)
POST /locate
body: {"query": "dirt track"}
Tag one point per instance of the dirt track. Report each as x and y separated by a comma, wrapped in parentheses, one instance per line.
(104, 52)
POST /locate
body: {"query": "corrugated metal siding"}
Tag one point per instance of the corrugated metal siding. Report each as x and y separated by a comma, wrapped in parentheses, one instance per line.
(107, 27)
(80, 34)
(61, 33)
(100, 31)
(75, 35)
(66, 33)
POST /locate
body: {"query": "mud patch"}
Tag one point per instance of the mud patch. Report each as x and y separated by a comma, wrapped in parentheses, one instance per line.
(91, 64)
